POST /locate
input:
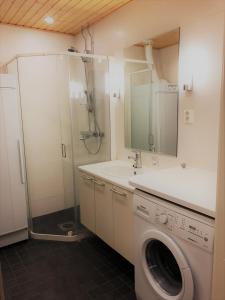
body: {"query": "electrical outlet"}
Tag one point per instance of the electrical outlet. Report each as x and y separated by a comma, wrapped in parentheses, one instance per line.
(188, 116)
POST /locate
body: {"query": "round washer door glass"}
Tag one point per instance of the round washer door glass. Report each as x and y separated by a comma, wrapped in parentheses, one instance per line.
(163, 267)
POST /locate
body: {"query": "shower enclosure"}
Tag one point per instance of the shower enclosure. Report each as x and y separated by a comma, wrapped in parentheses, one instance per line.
(65, 117)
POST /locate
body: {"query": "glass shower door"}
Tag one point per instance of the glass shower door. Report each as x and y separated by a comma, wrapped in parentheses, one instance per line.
(48, 143)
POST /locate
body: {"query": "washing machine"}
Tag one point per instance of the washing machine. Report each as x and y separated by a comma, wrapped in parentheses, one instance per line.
(173, 252)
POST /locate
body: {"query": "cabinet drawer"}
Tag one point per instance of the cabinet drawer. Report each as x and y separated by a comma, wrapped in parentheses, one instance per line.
(107, 210)
(104, 211)
(123, 222)
(87, 201)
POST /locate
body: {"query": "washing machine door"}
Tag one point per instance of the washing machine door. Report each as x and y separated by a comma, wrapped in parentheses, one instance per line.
(165, 267)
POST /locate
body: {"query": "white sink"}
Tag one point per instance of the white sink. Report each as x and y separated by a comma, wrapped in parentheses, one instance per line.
(121, 171)
(117, 172)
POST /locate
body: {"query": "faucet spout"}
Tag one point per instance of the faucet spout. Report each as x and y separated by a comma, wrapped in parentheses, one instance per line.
(137, 159)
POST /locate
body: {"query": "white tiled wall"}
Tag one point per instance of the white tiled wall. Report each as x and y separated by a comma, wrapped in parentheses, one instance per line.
(80, 115)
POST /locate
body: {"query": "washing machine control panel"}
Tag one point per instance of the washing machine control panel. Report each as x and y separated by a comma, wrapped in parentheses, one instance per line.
(187, 228)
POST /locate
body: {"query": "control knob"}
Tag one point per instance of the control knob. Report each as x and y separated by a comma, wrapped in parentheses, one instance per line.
(163, 219)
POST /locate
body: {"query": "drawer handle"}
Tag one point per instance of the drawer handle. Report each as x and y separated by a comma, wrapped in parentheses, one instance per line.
(99, 183)
(143, 209)
(87, 177)
(119, 193)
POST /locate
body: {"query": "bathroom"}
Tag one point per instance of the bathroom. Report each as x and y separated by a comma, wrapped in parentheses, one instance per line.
(106, 191)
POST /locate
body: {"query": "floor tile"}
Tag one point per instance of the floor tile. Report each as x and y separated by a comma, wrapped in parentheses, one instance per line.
(84, 270)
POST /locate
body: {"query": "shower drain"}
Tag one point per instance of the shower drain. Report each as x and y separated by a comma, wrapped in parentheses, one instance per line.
(67, 226)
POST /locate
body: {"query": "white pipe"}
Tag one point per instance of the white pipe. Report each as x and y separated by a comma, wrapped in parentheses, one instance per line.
(149, 57)
(149, 54)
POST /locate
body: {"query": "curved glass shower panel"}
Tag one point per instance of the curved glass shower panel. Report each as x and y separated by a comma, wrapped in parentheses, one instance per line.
(48, 142)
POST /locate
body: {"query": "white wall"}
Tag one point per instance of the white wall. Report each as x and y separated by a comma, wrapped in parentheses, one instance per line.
(201, 55)
(16, 40)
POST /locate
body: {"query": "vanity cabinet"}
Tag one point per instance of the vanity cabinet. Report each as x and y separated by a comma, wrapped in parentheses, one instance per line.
(123, 222)
(107, 211)
(87, 204)
(103, 213)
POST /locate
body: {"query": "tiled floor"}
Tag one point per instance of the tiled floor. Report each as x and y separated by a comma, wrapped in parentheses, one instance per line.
(84, 270)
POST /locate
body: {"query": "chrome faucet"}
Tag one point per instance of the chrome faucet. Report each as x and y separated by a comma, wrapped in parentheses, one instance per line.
(137, 159)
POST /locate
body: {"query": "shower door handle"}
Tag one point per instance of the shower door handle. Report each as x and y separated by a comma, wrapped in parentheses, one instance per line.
(22, 175)
(151, 139)
(63, 150)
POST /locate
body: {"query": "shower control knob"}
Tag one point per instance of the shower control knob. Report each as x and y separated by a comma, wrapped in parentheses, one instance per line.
(163, 219)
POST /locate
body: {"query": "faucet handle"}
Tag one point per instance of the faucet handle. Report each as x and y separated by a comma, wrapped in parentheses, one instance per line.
(134, 158)
(137, 153)
(131, 157)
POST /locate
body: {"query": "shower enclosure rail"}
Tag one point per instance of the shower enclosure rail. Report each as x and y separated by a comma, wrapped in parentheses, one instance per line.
(75, 54)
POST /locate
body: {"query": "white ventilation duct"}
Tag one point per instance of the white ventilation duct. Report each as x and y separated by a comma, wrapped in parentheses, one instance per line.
(149, 58)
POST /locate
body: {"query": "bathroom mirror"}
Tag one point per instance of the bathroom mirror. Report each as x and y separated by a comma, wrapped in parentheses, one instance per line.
(151, 94)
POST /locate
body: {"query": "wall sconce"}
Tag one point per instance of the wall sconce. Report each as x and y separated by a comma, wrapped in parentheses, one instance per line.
(116, 79)
(116, 94)
(188, 87)
(113, 86)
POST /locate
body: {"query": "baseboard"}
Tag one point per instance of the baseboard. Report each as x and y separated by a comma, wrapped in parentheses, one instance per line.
(13, 237)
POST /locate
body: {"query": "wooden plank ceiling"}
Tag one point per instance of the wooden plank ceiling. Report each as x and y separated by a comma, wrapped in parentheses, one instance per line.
(69, 15)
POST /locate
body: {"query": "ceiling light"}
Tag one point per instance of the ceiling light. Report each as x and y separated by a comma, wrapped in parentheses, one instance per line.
(49, 20)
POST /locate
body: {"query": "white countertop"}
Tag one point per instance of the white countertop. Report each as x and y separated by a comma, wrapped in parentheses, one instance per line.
(191, 188)
(100, 171)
